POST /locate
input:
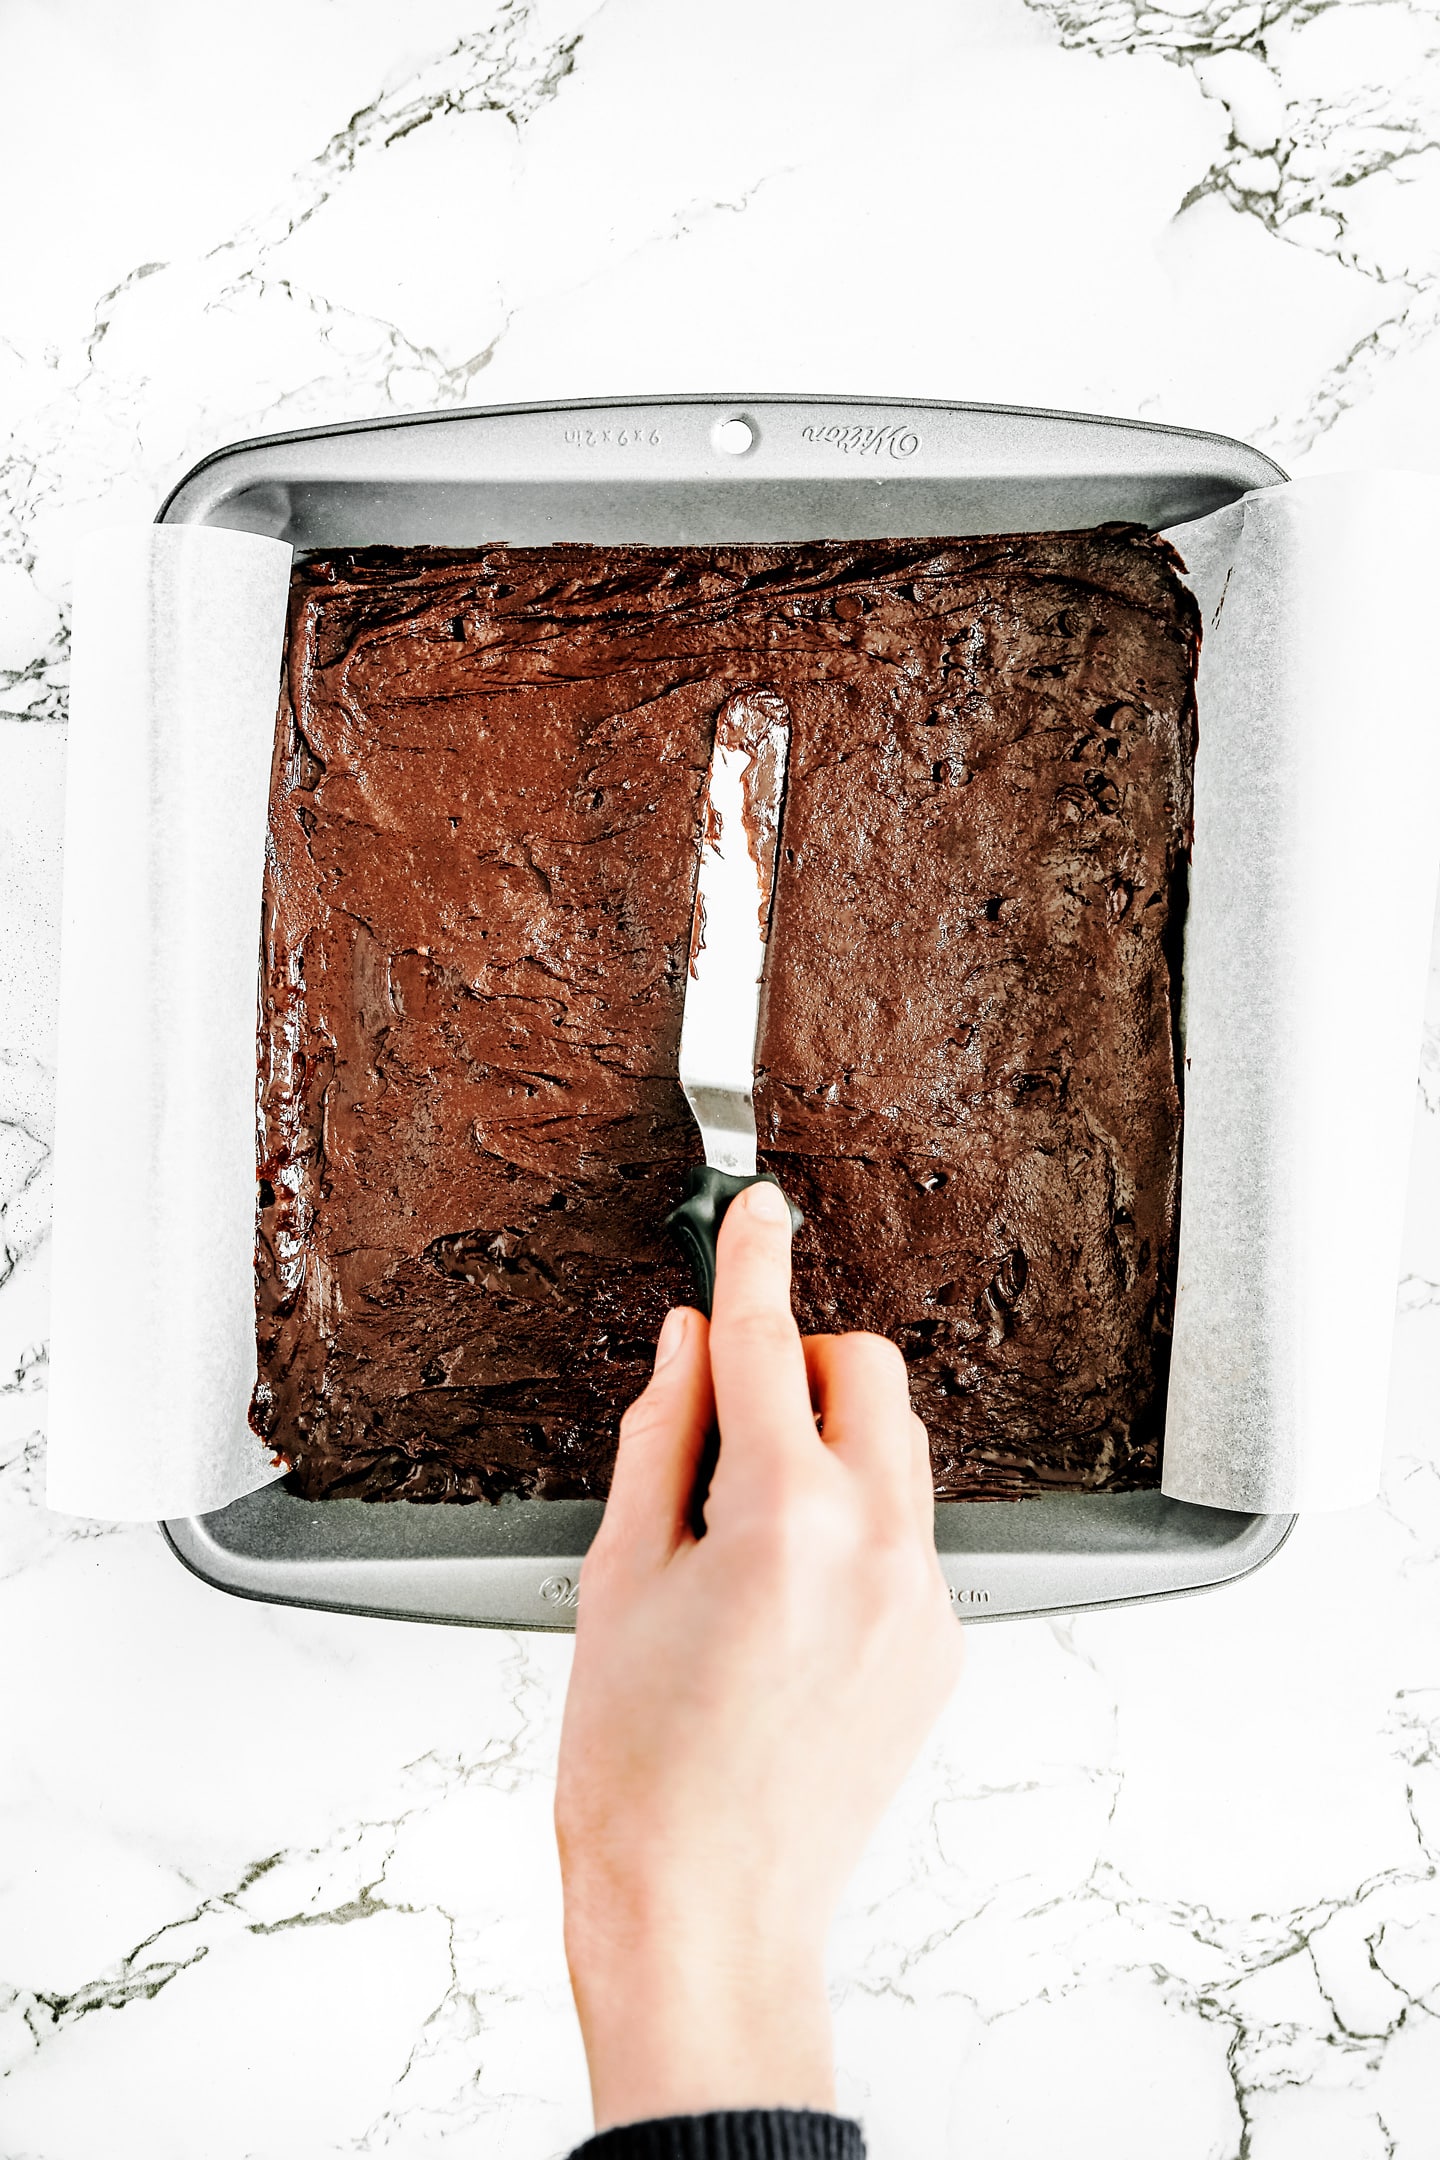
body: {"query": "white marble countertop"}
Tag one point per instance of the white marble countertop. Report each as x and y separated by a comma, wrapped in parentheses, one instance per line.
(278, 1885)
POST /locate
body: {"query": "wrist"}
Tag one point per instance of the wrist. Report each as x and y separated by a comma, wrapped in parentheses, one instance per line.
(679, 2027)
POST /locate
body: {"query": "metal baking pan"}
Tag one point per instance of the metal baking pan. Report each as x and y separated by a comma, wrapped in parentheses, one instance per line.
(697, 470)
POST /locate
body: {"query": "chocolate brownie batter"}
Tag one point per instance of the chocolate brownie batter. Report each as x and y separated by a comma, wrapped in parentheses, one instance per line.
(484, 836)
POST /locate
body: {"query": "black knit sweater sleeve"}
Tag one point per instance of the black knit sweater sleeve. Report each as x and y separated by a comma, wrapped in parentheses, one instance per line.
(741, 2134)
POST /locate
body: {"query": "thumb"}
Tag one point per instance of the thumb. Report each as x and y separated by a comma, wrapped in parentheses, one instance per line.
(661, 1438)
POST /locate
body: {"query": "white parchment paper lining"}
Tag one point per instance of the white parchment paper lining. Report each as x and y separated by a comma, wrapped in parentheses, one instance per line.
(1316, 848)
(1317, 841)
(179, 632)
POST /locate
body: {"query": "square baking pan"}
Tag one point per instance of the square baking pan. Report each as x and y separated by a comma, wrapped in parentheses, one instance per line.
(697, 471)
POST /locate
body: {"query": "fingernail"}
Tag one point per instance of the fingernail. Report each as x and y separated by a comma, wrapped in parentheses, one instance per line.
(767, 1202)
(672, 1335)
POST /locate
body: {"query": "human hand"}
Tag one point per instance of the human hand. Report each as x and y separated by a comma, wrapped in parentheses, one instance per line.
(743, 1706)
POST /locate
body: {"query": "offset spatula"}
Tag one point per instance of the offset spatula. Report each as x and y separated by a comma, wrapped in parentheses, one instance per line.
(740, 831)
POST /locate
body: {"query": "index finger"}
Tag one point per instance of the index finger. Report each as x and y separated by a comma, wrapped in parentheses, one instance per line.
(762, 1395)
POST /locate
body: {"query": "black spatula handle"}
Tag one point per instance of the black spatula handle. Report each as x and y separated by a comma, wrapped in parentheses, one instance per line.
(696, 1222)
(696, 1225)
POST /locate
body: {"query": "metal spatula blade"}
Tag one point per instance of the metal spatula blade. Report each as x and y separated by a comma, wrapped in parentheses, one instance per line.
(740, 830)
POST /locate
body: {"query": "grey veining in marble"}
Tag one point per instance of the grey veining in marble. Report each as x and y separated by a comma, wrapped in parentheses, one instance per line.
(279, 1885)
